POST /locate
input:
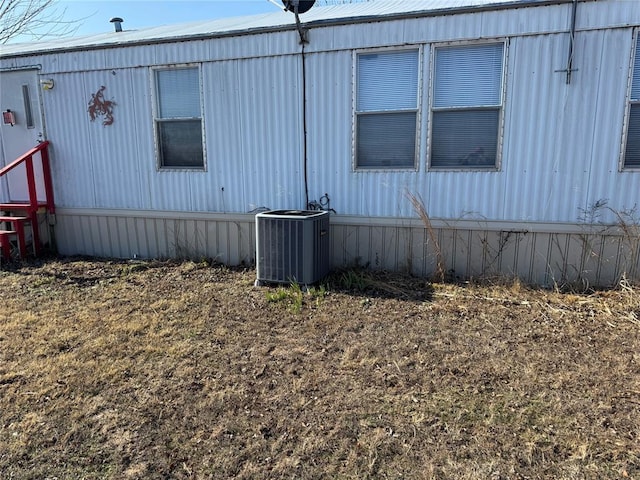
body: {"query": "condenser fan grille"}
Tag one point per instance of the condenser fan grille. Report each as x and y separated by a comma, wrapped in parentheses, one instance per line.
(292, 246)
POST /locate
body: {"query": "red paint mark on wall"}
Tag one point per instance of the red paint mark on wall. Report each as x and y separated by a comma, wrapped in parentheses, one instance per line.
(99, 107)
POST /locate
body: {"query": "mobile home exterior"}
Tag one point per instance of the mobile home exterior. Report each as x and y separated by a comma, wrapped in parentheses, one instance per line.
(516, 123)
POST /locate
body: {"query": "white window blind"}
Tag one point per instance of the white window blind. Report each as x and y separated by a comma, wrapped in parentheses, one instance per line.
(180, 143)
(632, 149)
(632, 156)
(468, 76)
(178, 118)
(387, 81)
(179, 93)
(386, 109)
(465, 138)
(466, 106)
(635, 87)
(387, 140)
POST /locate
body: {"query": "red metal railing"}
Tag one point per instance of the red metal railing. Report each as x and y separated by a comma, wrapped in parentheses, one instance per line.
(27, 159)
(34, 203)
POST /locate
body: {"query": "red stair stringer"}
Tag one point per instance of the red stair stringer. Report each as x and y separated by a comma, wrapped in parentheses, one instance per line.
(31, 208)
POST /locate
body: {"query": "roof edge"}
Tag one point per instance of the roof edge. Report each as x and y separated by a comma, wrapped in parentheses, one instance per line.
(507, 5)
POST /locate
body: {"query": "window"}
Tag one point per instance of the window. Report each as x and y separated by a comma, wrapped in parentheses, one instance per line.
(28, 113)
(632, 149)
(466, 106)
(386, 109)
(179, 118)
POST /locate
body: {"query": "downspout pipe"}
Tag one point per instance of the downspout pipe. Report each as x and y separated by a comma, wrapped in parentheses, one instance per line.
(572, 36)
(303, 41)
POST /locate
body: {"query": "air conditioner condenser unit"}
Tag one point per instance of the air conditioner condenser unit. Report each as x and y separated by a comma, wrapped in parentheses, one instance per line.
(292, 246)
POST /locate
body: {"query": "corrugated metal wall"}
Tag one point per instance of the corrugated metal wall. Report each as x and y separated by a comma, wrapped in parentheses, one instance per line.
(571, 255)
(561, 142)
(560, 155)
(253, 142)
(560, 149)
(228, 239)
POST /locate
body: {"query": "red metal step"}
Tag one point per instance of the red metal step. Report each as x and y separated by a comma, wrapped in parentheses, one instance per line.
(17, 223)
(20, 206)
(5, 245)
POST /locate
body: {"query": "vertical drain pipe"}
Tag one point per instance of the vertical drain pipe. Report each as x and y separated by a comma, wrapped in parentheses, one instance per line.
(303, 40)
(304, 124)
(572, 35)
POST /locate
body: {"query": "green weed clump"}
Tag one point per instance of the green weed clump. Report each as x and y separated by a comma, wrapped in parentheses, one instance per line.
(293, 296)
(353, 280)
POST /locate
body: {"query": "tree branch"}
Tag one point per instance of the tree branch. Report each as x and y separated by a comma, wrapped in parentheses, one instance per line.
(33, 18)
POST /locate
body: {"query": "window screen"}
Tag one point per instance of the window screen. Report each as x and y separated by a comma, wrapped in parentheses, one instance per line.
(466, 106)
(178, 121)
(386, 109)
(632, 150)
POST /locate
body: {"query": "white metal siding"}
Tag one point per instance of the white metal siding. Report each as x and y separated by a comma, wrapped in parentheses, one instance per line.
(252, 134)
(95, 165)
(606, 182)
(561, 142)
(254, 139)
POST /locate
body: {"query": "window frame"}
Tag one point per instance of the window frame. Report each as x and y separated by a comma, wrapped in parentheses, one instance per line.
(417, 110)
(155, 104)
(635, 46)
(497, 167)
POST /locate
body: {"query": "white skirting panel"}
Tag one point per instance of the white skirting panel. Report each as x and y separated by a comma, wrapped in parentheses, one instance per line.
(543, 254)
(228, 239)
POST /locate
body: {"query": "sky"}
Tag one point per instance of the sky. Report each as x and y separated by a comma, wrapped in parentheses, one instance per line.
(95, 14)
(92, 16)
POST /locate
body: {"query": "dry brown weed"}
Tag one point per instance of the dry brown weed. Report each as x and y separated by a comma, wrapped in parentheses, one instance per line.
(184, 370)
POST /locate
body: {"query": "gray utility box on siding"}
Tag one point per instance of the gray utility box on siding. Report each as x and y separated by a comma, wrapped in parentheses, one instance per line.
(292, 246)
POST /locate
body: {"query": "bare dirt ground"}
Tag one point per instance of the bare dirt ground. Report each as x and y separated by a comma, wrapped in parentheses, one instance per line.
(145, 370)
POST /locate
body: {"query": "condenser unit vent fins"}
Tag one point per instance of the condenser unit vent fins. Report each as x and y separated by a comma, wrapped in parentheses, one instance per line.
(292, 246)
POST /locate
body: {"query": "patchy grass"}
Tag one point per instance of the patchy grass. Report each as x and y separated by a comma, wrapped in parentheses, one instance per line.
(184, 370)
